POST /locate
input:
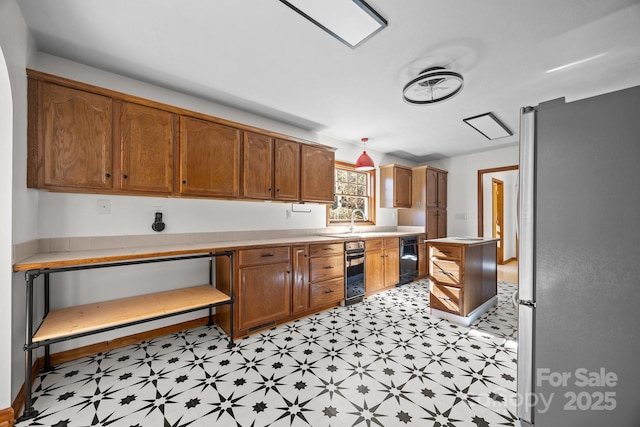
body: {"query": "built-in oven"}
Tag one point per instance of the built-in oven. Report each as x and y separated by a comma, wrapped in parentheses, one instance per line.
(408, 259)
(354, 272)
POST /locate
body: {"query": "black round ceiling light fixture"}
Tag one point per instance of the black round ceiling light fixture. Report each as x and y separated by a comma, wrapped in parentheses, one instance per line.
(433, 85)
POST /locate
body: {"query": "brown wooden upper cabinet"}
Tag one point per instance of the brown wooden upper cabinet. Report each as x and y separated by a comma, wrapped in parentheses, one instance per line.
(429, 202)
(317, 174)
(86, 141)
(271, 168)
(209, 159)
(70, 138)
(395, 186)
(147, 142)
(83, 138)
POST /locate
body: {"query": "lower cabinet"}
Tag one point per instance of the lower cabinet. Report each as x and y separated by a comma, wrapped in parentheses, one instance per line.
(263, 287)
(278, 284)
(382, 264)
(326, 274)
(300, 285)
(463, 276)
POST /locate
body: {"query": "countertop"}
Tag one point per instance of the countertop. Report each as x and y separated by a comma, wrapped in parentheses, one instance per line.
(97, 256)
(466, 241)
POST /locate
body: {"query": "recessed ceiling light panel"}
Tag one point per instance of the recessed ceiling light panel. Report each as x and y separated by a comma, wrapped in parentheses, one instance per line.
(435, 84)
(489, 126)
(350, 21)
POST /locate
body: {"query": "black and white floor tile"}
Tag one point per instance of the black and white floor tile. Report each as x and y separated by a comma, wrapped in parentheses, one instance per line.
(383, 362)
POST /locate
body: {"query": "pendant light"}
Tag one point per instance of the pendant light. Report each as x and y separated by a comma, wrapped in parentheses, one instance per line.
(364, 162)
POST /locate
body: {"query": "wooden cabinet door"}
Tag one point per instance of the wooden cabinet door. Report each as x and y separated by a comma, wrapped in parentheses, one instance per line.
(147, 145)
(75, 139)
(442, 223)
(432, 223)
(263, 294)
(423, 264)
(442, 190)
(257, 176)
(432, 188)
(300, 285)
(287, 170)
(402, 187)
(391, 266)
(209, 159)
(374, 270)
(317, 174)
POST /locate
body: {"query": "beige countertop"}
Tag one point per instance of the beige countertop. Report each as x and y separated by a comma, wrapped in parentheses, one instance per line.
(467, 241)
(95, 256)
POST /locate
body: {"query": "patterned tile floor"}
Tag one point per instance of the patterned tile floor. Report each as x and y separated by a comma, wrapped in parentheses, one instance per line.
(383, 362)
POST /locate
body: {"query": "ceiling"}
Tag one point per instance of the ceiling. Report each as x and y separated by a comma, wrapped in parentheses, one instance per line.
(260, 56)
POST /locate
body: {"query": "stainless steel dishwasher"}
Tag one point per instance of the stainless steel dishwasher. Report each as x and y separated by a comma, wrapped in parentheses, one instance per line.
(354, 272)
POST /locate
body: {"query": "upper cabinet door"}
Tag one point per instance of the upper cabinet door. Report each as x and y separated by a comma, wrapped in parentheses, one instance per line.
(442, 190)
(287, 170)
(257, 178)
(74, 138)
(147, 140)
(432, 188)
(317, 174)
(210, 159)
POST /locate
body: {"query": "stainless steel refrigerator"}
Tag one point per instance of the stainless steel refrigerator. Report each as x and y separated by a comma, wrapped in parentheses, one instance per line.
(579, 262)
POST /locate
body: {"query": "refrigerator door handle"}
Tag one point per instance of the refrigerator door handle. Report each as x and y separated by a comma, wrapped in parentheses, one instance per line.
(525, 386)
(526, 186)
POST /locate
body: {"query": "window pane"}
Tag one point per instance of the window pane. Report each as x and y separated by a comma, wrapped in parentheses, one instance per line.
(352, 192)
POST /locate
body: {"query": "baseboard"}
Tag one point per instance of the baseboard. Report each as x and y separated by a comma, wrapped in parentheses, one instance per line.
(6, 417)
(77, 353)
(507, 261)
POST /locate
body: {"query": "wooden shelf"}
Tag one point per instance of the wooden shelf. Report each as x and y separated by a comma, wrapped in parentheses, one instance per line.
(91, 317)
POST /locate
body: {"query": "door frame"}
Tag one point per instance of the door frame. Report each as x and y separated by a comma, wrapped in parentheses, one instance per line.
(481, 173)
(497, 217)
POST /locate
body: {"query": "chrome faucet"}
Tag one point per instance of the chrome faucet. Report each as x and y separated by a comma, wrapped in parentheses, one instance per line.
(352, 227)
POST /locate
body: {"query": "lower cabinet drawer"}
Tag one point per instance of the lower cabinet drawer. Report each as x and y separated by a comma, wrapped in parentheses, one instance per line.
(445, 298)
(263, 255)
(447, 272)
(327, 292)
(326, 267)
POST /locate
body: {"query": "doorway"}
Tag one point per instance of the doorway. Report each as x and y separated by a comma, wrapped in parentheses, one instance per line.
(507, 264)
(497, 217)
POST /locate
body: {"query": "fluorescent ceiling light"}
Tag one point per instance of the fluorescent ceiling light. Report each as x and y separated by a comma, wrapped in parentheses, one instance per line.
(489, 126)
(572, 64)
(350, 21)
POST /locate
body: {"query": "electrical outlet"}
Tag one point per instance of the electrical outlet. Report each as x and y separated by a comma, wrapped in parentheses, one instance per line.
(288, 214)
(104, 207)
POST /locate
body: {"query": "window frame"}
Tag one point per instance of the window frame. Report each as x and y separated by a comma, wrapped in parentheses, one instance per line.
(372, 202)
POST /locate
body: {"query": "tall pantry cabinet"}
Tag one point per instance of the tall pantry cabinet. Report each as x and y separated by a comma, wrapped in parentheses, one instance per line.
(429, 202)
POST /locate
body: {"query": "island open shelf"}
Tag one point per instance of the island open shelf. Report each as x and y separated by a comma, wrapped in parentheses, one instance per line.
(68, 323)
(72, 321)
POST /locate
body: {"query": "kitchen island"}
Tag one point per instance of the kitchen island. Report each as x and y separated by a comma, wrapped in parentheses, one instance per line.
(464, 277)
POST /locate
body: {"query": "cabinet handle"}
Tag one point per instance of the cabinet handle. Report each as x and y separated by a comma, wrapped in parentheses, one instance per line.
(267, 255)
(328, 267)
(328, 291)
(269, 189)
(277, 190)
(445, 298)
(125, 176)
(107, 175)
(446, 273)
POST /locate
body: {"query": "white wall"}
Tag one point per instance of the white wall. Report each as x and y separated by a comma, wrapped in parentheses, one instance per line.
(462, 186)
(18, 206)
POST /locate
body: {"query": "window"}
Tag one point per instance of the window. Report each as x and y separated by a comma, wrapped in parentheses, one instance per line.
(353, 190)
